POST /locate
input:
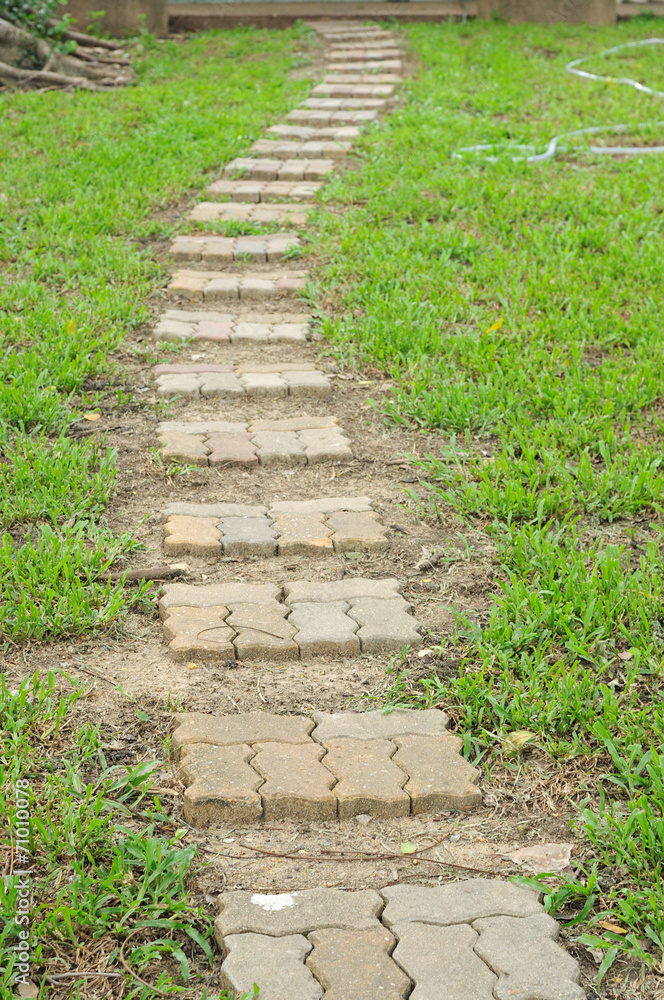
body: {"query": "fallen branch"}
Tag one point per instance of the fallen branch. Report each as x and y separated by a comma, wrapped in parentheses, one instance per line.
(44, 77)
(149, 573)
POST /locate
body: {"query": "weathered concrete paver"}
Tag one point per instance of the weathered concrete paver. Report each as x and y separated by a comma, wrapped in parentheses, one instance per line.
(367, 66)
(385, 626)
(457, 903)
(214, 285)
(277, 962)
(293, 169)
(356, 965)
(439, 777)
(324, 629)
(442, 964)
(302, 133)
(263, 632)
(368, 780)
(254, 211)
(529, 964)
(211, 249)
(383, 90)
(319, 116)
(233, 328)
(249, 727)
(221, 785)
(266, 191)
(297, 785)
(296, 379)
(380, 725)
(308, 149)
(344, 103)
(199, 632)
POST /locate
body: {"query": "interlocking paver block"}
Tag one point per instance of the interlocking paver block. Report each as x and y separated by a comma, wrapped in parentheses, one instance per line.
(263, 632)
(281, 170)
(385, 626)
(195, 535)
(224, 386)
(248, 536)
(341, 133)
(237, 448)
(249, 727)
(380, 66)
(356, 965)
(186, 595)
(306, 149)
(285, 214)
(221, 785)
(341, 590)
(187, 448)
(359, 78)
(442, 963)
(308, 116)
(297, 786)
(215, 510)
(458, 902)
(307, 383)
(267, 191)
(438, 776)
(326, 445)
(380, 725)
(199, 633)
(178, 385)
(275, 964)
(369, 781)
(264, 384)
(279, 447)
(188, 283)
(324, 630)
(358, 532)
(292, 424)
(343, 103)
(524, 955)
(324, 505)
(277, 914)
(303, 534)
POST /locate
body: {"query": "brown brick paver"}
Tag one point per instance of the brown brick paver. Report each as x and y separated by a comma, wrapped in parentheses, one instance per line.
(221, 785)
(356, 965)
(296, 785)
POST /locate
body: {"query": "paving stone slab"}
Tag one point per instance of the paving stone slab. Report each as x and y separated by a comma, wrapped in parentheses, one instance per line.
(249, 727)
(458, 903)
(214, 285)
(442, 963)
(323, 505)
(197, 536)
(222, 786)
(215, 594)
(358, 531)
(269, 191)
(199, 633)
(351, 56)
(358, 78)
(341, 590)
(439, 777)
(215, 510)
(276, 965)
(379, 66)
(302, 133)
(303, 534)
(293, 169)
(368, 780)
(380, 725)
(247, 536)
(232, 211)
(318, 117)
(246, 380)
(356, 965)
(324, 629)
(233, 328)
(529, 964)
(385, 625)
(307, 149)
(263, 633)
(344, 103)
(210, 249)
(280, 914)
(297, 785)
(382, 90)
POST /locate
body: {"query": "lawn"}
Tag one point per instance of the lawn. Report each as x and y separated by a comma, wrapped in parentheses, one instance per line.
(517, 308)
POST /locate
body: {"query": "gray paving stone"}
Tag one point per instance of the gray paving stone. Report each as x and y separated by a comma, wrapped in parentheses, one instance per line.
(211, 249)
(200, 427)
(235, 327)
(279, 914)
(380, 725)
(324, 505)
(267, 384)
(328, 445)
(442, 963)
(439, 777)
(211, 594)
(303, 534)
(307, 383)
(529, 964)
(198, 633)
(359, 78)
(221, 785)
(292, 424)
(297, 786)
(263, 632)
(368, 780)
(458, 902)
(341, 590)
(249, 727)
(248, 536)
(223, 386)
(178, 447)
(358, 531)
(311, 116)
(295, 214)
(324, 630)
(377, 66)
(279, 448)
(178, 385)
(385, 626)
(280, 170)
(276, 965)
(216, 510)
(356, 965)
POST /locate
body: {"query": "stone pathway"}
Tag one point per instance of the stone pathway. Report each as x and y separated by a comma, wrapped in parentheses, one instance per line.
(469, 940)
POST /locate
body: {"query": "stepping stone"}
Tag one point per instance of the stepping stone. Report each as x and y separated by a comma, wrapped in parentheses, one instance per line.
(363, 55)
(222, 786)
(354, 958)
(222, 250)
(245, 380)
(264, 169)
(266, 191)
(365, 45)
(233, 328)
(299, 441)
(317, 117)
(287, 215)
(372, 78)
(312, 149)
(343, 103)
(317, 776)
(382, 66)
(352, 90)
(343, 133)
(204, 621)
(309, 527)
(214, 285)
(458, 902)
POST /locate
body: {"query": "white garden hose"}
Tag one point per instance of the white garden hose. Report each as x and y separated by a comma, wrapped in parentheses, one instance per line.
(555, 146)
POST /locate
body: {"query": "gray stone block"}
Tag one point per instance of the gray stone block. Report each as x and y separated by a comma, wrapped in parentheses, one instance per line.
(380, 725)
(524, 955)
(341, 590)
(276, 965)
(250, 727)
(278, 914)
(385, 626)
(187, 595)
(248, 536)
(198, 633)
(217, 510)
(326, 505)
(441, 962)
(297, 785)
(262, 632)
(222, 385)
(368, 780)
(221, 785)
(356, 965)
(279, 447)
(303, 534)
(324, 630)
(458, 902)
(326, 445)
(438, 776)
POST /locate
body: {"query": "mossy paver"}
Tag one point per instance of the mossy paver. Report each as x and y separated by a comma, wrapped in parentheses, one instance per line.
(234, 328)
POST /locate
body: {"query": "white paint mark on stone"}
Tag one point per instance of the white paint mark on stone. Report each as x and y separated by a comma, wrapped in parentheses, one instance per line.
(273, 903)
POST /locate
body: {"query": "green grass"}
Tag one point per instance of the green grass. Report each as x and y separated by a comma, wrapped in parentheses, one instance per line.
(517, 310)
(88, 183)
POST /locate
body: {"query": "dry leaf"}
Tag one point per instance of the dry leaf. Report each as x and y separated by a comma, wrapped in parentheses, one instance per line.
(407, 847)
(614, 928)
(91, 416)
(543, 857)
